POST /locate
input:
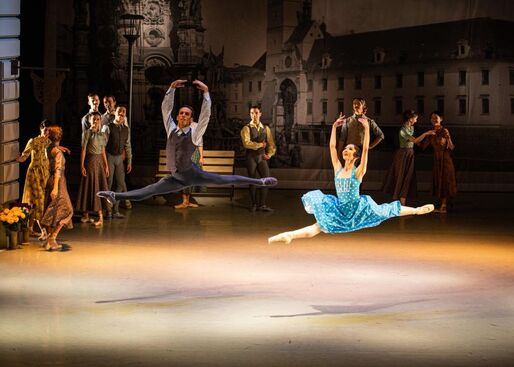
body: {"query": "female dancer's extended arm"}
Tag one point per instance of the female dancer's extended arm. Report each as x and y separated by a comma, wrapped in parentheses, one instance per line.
(336, 163)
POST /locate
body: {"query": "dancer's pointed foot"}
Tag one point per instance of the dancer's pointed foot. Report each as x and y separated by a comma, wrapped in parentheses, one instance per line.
(181, 206)
(285, 237)
(269, 181)
(107, 195)
(425, 209)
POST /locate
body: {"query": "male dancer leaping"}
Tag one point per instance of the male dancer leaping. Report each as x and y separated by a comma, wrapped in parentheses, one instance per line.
(182, 139)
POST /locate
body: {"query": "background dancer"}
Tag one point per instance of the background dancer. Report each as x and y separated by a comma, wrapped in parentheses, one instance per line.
(59, 210)
(37, 175)
(349, 211)
(352, 131)
(118, 146)
(260, 147)
(94, 169)
(400, 180)
(183, 137)
(444, 184)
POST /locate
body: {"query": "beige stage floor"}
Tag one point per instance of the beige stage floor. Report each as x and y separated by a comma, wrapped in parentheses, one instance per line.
(203, 288)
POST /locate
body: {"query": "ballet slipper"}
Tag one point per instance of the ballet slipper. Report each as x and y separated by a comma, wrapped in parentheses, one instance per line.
(192, 205)
(425, 209)
(285, 237)
(268, 181)
(107, 195)
(181, 206)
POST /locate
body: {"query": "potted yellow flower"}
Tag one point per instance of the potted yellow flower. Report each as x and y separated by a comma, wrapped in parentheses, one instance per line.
(12, 221)
(28, 210)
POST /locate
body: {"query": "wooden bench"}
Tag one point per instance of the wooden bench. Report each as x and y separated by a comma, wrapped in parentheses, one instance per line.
(214, 161)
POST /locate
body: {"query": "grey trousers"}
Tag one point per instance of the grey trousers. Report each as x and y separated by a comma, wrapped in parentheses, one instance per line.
(178, 181)
(116, 176)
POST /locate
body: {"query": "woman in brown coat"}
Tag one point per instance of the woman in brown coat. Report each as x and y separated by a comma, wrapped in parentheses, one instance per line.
(444, 185)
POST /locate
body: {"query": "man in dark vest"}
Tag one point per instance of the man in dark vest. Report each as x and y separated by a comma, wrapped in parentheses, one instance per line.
(260, 147)
(352, 131)
(118, 146)
(183, 137)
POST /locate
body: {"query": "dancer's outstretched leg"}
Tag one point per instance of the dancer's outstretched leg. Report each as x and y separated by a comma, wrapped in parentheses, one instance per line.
(206, 178)
(420, 210)
(163, 186)
(305, 232)
(181, 180)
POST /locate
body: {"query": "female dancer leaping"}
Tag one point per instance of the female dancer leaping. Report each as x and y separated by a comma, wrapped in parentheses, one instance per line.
(349, 211)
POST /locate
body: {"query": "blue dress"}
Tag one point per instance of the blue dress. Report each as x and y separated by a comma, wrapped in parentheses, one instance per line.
(349, 211)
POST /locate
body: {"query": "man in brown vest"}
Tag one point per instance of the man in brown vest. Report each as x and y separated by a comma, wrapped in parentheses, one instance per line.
(260, 147)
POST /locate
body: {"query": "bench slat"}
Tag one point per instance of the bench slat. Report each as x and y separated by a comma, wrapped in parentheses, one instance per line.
(219, 153)
(219, 169)
(219, 161)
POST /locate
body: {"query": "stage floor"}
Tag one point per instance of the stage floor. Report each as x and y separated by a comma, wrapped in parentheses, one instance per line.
(203, 288)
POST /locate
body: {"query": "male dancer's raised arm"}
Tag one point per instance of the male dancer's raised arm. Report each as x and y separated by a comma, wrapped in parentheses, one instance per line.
(205, 115)
(167, 106)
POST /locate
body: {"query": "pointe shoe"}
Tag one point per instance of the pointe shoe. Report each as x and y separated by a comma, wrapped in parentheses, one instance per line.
(181, 206)
(425, 209)
(192, 205)
(269, 181)
(107, 195)
(282, 237)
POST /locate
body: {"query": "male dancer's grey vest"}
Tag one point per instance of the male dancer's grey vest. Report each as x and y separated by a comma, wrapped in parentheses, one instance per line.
(179, 150)
(256, 137)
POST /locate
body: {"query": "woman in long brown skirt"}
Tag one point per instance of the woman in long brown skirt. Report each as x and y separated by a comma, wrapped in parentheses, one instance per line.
(59, 210)
(400, 180)
(94, 169)
(444, 184)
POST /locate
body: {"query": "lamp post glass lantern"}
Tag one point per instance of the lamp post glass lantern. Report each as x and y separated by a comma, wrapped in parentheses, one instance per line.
(131, 25)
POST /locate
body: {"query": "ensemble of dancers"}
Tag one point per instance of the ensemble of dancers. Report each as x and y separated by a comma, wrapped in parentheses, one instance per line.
(106, 155)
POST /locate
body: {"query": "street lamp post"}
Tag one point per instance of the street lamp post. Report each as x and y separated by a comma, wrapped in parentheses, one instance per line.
(131, 24)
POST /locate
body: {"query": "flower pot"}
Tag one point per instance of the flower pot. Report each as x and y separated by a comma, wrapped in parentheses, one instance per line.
(25, 238)
(13, 240)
